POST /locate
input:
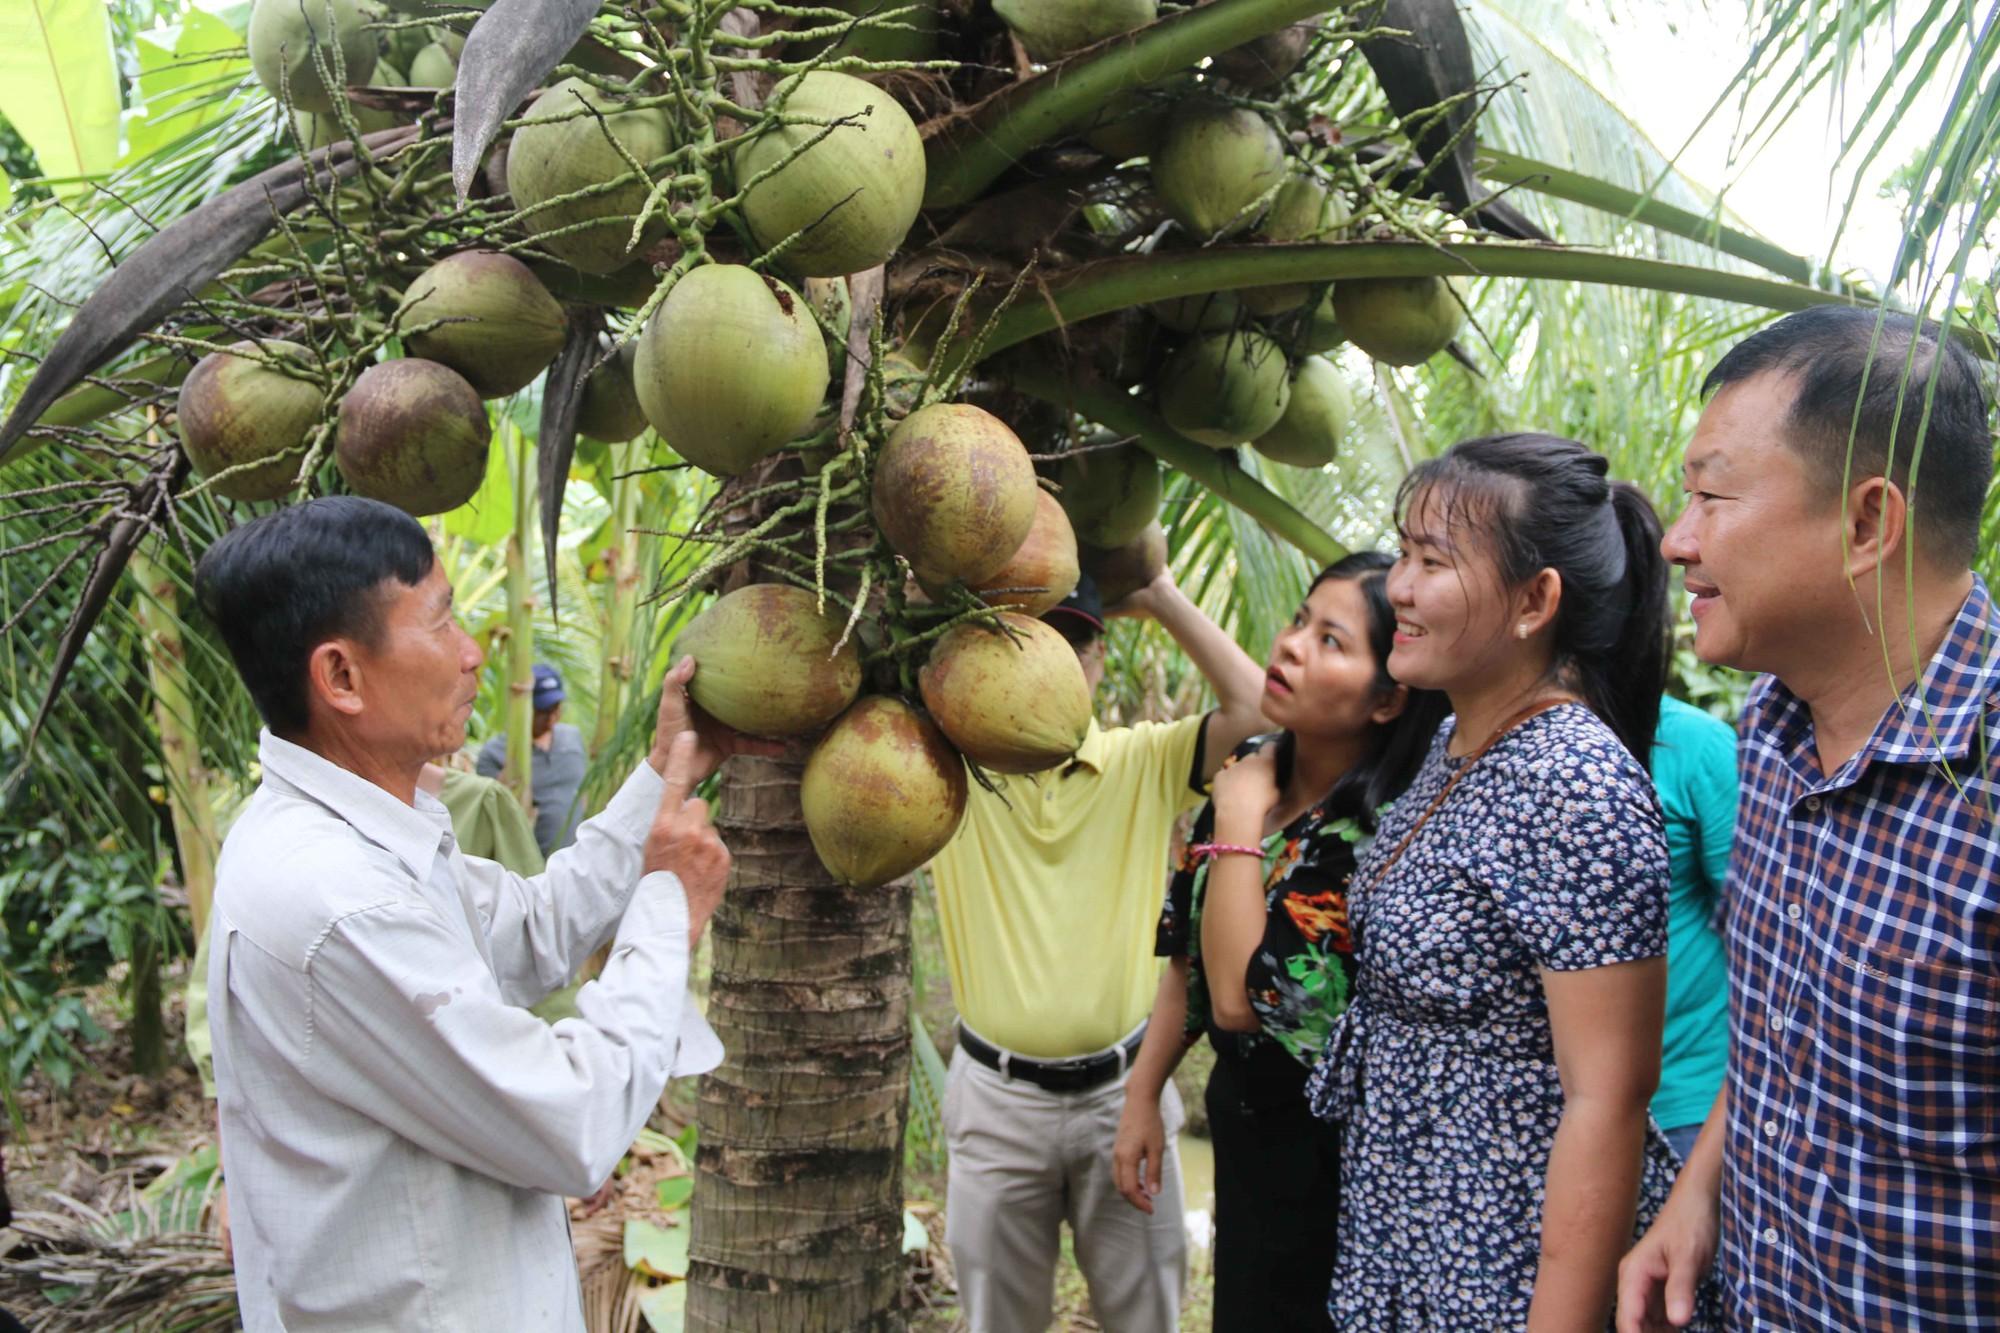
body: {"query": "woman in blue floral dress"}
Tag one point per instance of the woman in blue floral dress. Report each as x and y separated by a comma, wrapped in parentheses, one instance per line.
(1255, 926)
(1493, 1073)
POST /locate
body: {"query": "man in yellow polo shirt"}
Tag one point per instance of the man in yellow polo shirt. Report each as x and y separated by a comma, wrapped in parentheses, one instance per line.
(1048, 900)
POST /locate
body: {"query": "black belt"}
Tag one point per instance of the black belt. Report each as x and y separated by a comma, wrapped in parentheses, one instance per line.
(1078, 1075)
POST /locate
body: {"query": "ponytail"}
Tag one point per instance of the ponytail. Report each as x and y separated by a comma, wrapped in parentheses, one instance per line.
(1544, 502)
(1625, 688)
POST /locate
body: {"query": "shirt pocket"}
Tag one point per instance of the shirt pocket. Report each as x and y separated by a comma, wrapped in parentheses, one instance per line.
(1909, 1054)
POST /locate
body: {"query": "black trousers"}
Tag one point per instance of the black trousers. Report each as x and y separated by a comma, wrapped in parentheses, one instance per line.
(1277, 1195)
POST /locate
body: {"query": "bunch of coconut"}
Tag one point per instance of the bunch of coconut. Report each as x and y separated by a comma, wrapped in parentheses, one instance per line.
(954, 494)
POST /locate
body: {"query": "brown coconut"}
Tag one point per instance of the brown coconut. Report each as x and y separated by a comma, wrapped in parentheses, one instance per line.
(1123, 570)
(505, 327)
(413, 433)
(954, 492)
(766, 661)
(237, 408)
(1043, 570)
(1110, 494)
(1012, 699)
(882, 793)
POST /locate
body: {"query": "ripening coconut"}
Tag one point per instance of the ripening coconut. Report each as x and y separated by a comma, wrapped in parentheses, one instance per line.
(1222, 389)
(1315, 418)
(1012, 699)
(766, 664)
(505, 327)
(1051, 29)
(563, 149)
(882, 793)
(954, 492)
(852, 195)
(1042, 571)
(285, 35)
(1401, 321)
(1265, 62)
(730, 367)
(1215, 165)
(413, 433)
(1110, 495)
(1123, 570)
(237, 408)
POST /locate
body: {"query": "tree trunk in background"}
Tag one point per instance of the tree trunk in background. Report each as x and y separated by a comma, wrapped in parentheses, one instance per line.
(621, 559)
(798, 1198)
(518, 771)
(190, 800)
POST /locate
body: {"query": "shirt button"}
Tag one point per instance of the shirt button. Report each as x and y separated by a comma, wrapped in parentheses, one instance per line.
(1794, 911)
(1812, 804)
(1777, 1021)
(1770, 1129)
(1770, 1235)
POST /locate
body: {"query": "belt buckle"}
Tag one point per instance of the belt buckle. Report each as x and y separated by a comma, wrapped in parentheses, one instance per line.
(1006, 1057)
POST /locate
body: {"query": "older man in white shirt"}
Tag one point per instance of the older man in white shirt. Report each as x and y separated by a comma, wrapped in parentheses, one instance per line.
(397, 1128)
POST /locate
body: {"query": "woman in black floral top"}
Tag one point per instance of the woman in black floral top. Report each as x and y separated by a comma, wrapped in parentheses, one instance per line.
(1255, 926)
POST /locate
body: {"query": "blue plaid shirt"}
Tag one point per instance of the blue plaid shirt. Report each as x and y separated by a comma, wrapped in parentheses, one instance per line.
(1862, 1181)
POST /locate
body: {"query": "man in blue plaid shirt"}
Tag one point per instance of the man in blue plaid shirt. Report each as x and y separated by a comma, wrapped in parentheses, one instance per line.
(1850, 1172)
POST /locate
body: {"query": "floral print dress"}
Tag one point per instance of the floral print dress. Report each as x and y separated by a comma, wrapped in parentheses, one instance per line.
(1549, 853)
(1298, 978)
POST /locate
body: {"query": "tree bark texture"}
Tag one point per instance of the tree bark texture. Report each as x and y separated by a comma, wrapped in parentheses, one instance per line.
(798, 1196)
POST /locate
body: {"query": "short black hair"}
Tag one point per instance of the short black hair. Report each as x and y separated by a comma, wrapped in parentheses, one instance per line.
(281, 585)
(1890, 383)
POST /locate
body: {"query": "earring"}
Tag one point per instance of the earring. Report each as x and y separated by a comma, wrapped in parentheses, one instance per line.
(1521, 630)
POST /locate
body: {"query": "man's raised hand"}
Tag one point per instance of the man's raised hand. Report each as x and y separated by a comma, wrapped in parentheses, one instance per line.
(682, 841)
(713, 741)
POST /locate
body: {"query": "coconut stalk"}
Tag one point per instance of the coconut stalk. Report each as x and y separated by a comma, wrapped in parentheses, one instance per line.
(621, 561)
(190, 801)
(519, 713)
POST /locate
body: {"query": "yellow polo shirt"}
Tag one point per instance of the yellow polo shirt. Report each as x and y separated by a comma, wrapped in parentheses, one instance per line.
(1048, 908)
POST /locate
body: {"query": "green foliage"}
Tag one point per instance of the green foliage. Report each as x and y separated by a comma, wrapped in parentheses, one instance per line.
(69, 910)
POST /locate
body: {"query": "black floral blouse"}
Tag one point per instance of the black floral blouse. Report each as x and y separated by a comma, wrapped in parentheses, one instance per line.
(1300, 976)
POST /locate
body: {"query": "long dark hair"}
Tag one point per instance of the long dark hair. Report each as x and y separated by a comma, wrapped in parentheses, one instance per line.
(1396, 748)
(1545, 502)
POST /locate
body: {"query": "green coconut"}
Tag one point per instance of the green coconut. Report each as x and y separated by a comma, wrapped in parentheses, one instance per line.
(551, 156)
(235, 409)
(1214, 165)
(1317, 330)
(433, 67)
(1309, 433)
(1123, 570)
(1051, 29)
(1222, 389)
(730, 367)
(1201, 313)
(853, 194)
(882, 793)
(283, 36)
(1013, 700)
(917, 33)
(609, 409)
(1043, 569)
(506, 329)
(1401, 321)
(1304, 210)
(954, 492)
(1110, 495)
(413, 433)
(1128, 126)
(768, 662)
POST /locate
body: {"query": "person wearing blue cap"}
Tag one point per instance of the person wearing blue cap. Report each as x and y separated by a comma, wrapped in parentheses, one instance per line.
(559, 762)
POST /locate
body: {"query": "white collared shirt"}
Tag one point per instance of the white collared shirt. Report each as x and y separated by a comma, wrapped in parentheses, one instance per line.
(397, 1129)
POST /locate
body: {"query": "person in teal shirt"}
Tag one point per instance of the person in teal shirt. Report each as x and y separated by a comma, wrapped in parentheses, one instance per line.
(1694, 769)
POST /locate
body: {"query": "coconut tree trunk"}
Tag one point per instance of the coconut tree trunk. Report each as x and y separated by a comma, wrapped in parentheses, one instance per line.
(798, 1195)
(520, 710)
(190, 800)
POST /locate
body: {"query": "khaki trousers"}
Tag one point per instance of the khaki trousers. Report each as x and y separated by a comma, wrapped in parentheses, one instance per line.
(1024, 1161)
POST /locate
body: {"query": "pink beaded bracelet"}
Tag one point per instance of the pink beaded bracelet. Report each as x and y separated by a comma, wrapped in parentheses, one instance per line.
(1210, 850)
